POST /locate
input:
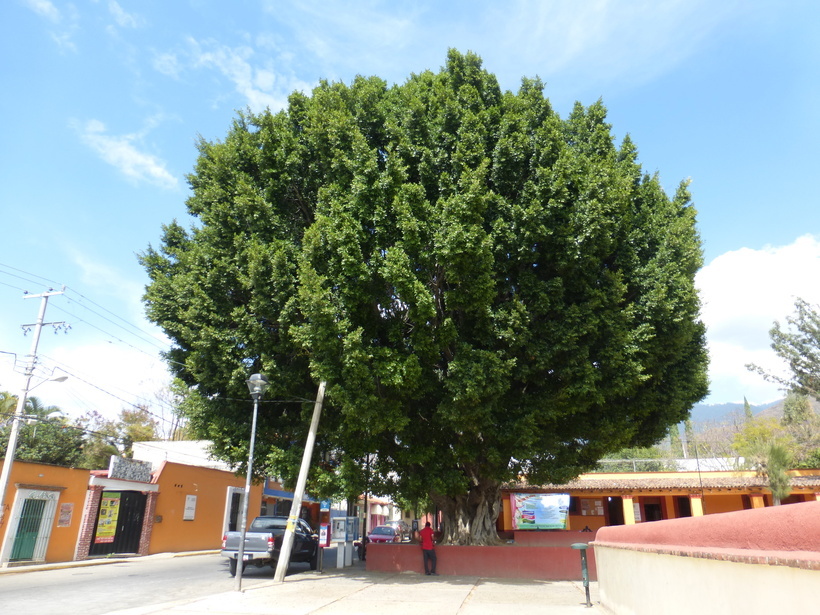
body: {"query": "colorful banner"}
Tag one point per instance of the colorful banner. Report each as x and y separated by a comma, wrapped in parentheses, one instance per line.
(539, 511)
(107, 519)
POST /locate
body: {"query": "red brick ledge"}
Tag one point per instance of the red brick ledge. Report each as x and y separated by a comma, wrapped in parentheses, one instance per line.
(806, 560)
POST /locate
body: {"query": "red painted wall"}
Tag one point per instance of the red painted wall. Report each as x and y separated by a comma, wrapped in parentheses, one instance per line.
(504, 561)
(562, 538)
(795, 527)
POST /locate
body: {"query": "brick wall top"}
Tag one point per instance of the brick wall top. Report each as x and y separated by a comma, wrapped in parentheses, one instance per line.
(781, 535)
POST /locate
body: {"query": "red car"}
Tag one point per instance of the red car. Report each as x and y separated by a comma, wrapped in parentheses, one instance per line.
(384, 533)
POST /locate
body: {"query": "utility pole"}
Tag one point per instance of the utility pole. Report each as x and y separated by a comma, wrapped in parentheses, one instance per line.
(21, 401)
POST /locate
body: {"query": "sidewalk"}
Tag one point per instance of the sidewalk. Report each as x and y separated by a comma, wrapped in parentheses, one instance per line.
(355, 591)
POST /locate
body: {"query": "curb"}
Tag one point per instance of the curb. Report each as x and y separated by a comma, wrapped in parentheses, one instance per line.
(36, 567)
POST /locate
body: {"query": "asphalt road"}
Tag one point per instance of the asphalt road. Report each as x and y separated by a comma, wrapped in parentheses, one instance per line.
(95, 590)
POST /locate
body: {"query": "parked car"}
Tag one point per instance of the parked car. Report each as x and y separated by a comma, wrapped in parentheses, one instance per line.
(263, 540)
(384, 533)
(401, 527)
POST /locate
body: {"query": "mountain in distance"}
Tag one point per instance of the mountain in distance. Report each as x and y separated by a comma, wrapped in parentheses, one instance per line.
(717, 413)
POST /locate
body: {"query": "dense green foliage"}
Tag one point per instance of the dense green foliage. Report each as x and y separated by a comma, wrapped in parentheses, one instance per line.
(491, 292)
(44, 436)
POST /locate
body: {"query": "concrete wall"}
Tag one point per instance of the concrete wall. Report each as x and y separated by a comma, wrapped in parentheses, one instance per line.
(755, 561)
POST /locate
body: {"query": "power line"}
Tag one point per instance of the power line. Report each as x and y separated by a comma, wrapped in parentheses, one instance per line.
(79, 299)
(66, 425)
(29, 274)
(139, 332)
(19, 288)
(117, 397)
(111, 335)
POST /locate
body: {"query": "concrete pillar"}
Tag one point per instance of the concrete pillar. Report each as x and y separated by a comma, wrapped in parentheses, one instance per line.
(669, 507)
(629, 510)
(696, 504)
(758, 500)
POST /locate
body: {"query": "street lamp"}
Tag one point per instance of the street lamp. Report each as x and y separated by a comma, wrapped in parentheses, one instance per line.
(257, 385)
(14, 433)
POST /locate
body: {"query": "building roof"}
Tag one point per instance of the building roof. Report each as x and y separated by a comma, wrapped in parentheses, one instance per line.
(188, 452)
(665, 482)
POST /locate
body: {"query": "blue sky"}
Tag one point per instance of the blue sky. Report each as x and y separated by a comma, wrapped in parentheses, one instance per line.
(103, 103)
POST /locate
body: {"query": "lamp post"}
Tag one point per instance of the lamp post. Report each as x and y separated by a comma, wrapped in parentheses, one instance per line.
(5, 474)
(257, 385)
(8, 461)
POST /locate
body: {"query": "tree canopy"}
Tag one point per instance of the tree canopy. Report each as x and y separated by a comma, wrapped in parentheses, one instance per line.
(492, 293)
(45, 435)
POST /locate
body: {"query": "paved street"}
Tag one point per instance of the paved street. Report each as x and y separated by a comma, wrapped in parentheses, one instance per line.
(348, 591)
(354, 591)
(95, 587)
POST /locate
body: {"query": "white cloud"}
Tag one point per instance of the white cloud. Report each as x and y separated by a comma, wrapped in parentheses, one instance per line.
(613, 40)
(168, 64)
(46, 9)
(123, 19)
(234, 63)
(325, 28)
(743, 293)
(110, 282)
(69, 25)
(122, 153)
(105, 377)
(261, 86)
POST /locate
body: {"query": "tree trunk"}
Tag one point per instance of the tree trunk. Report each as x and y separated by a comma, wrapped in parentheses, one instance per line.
(470, 519)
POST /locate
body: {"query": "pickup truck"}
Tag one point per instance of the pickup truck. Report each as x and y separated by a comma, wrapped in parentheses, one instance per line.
(263, 541)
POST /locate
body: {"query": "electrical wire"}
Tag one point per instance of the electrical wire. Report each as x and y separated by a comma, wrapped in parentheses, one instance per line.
(29, 274)
(66, 425)
(117, 321)
(111, 335)
(136, 406)
(21, 289)
(137, 331)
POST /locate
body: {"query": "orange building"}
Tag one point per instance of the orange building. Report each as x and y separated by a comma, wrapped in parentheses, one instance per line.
(598, 500)
(44, 507)
(56, 514)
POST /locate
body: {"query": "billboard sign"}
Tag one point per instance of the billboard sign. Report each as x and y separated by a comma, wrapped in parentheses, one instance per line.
(539, 511)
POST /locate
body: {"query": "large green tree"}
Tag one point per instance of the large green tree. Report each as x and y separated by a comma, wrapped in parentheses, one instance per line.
(492, 292)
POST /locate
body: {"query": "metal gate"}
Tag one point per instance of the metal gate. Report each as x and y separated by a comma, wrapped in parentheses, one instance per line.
(28, 530)
(233, 514)
(119, 523)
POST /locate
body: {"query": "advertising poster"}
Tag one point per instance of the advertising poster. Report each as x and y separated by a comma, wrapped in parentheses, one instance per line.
(539, 511)
(190, 508)
(592, 507)
(107, 520)
(66, 512)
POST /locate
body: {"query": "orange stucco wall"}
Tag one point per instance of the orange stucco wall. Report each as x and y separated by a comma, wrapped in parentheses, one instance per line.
(714, 504)
(72, 485)
(579, 522)
(204, 532)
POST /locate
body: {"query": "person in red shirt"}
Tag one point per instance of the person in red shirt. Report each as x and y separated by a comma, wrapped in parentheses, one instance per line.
(428, 549)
